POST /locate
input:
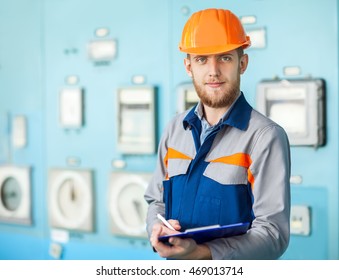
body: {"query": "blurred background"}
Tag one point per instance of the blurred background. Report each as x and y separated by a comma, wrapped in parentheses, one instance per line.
(87, 87)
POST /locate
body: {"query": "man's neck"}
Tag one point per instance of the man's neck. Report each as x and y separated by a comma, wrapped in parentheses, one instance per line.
(213, 115)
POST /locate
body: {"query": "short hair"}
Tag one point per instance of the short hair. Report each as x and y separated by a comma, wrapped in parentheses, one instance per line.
(240, 51)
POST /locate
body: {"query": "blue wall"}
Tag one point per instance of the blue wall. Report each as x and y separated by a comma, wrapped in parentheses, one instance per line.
(44, 41)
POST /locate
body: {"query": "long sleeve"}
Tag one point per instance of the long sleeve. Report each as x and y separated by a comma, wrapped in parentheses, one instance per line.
(268, 237)
(154, 192)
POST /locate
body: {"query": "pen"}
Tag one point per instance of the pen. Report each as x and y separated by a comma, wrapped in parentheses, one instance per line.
(161, 218)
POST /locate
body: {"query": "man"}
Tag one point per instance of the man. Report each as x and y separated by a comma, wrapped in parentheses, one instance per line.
(221, 162)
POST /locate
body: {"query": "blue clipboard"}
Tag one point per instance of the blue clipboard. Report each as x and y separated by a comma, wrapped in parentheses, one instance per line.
(208, 233)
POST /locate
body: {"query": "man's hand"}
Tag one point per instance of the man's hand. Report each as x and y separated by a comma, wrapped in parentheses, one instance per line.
(179, 248)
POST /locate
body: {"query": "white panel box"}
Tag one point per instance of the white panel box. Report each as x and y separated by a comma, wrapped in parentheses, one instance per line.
(19, 132)
(300, 220)
(127, 206)
(71, 107)
(258, 37)
(102, 50)
(70, 199)
(15, 191)
(136, 120)
(298, 106)
(187, 97)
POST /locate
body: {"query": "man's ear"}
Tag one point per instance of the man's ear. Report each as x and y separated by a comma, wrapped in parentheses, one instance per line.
(243, 63)
(187, 63)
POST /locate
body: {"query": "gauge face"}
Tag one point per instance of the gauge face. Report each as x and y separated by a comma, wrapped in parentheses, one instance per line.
(131, 205)
(15, 194)
(70, 199)
(128, 207)
(11, 194)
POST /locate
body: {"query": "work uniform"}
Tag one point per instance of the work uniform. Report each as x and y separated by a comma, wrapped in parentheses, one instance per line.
(240, 173)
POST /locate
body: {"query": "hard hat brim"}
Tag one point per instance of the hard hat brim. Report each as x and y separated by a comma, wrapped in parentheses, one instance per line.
(215, 49)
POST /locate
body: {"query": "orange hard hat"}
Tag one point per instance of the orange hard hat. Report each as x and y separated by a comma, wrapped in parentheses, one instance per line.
(213, 31)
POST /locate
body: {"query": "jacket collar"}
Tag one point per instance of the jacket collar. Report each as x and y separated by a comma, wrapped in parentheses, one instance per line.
(239, 115)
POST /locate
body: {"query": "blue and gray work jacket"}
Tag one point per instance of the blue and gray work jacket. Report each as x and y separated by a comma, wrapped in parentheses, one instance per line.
(240, 173)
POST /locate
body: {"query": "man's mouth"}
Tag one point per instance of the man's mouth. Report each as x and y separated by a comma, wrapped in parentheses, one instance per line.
(214, 84)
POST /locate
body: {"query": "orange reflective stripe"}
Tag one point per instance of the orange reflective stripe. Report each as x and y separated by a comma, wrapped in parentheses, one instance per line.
(174, 154)
(239, 159)
(250, 177)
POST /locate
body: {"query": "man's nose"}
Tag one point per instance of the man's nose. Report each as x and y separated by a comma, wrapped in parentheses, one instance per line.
(213, 68)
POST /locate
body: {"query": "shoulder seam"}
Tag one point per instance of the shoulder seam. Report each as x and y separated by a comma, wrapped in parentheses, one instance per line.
(263, 130)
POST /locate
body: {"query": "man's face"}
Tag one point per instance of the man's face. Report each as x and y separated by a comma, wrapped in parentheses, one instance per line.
(216, 77)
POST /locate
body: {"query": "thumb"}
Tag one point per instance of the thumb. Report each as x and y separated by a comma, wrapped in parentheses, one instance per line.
(175, 224)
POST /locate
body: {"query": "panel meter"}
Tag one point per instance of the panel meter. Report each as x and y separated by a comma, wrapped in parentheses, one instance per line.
(136, 120)
(15, 194)
(298, 106)
(128, 208)
(187, 97)
(70, 199)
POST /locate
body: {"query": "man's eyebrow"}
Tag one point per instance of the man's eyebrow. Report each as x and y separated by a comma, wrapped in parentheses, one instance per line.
(227, 53)
(199, 55)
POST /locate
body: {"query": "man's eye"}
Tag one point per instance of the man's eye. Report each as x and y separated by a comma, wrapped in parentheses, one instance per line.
(201, 59)
(226, 58)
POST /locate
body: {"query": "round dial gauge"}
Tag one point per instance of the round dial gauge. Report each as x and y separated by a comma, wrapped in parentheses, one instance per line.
(11, 194)
(128, 206)
(131, 206)
(70, 199)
